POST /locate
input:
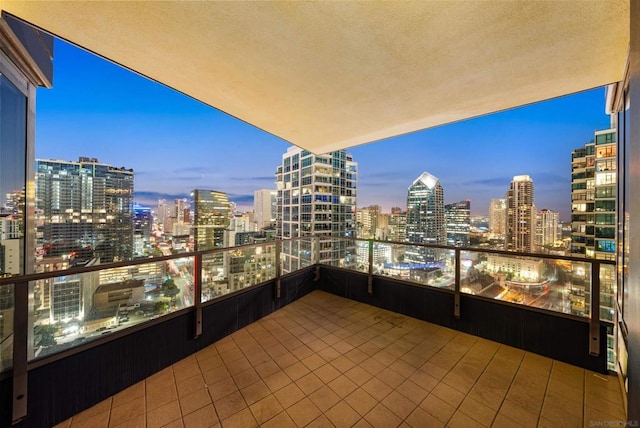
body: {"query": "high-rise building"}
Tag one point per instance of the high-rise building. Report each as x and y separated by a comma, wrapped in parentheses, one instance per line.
(593, 197)
(397, 226)
(547, 228)
(85, 208)
(425, 218)
(593, 215)
(458, 220)
(141, 228)
(520, 230)
(212, 218)
(264, 207)
(317, 197)
(368, 219)
(498, 216)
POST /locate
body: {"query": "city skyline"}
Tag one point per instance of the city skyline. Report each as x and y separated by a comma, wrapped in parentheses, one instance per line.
(99, 110)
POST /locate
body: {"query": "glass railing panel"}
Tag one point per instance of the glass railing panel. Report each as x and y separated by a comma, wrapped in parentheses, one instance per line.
(69, 310)
(214, 275)
(340, 252)
(434, 267)
(552, 284)
(249, 266)
(297, 253)
(7, 305)
(607, 292)
(234, 269)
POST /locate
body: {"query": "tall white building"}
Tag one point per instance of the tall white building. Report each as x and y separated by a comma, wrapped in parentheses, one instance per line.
(547, 227)
(521, 214)
(264, 207)
(317, 197)
(425, 218)
(498, 216)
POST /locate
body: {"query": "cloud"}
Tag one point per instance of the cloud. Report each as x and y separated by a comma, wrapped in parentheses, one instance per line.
(495, 181)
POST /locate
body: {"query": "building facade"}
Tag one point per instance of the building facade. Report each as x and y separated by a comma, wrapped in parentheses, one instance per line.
(457, 217)
(368, 221)
(317, 198)
(212, 219)
(425, 218)
(85, 209)
(547, 228)
(520, 226)
(498, 216)
(264, 207)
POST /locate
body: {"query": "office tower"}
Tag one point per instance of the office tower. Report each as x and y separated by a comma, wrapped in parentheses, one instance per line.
(264, 207)
(520, 230)
(397, 226)
(547, 228)
(457, 218)
(85, 208)
(593, 197)
(425, 218)
(317, 197)
(498, 216)
(212, 218)
(142, 222)
(367, 218)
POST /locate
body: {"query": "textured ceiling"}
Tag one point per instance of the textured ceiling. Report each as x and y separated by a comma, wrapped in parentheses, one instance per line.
(329, 75)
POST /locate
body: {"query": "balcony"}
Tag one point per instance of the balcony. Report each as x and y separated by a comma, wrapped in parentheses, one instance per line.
(252, 343)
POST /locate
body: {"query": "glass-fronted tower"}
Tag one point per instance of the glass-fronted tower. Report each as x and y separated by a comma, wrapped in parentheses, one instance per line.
(521, 215)
(593, 215)
(84, 209)
(458, 220)
(212, 217)
(317, 197)
(425, 218)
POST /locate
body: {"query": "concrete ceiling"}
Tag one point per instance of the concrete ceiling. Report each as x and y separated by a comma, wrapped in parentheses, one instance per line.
(330, 75)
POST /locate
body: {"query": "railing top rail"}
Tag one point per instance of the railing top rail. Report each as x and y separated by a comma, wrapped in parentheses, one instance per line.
(136, 262)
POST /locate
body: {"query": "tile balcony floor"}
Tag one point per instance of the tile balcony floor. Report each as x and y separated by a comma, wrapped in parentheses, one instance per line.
(328, 361)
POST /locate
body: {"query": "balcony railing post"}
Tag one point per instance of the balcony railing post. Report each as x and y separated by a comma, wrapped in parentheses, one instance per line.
(197, 293)
(370, 277)
(278, 267)
(594, 303)
(456, 296)
(20, 349)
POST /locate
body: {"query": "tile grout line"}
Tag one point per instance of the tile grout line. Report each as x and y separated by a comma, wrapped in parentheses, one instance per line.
(546, 388)
(524, 353)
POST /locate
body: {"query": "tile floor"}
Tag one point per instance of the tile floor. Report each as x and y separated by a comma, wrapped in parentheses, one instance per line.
(326, 361)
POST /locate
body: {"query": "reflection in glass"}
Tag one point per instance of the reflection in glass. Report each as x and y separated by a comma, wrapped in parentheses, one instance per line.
(13, 142)
(69, 310)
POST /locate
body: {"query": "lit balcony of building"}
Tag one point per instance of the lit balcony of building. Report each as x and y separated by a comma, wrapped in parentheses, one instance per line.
(335, 331)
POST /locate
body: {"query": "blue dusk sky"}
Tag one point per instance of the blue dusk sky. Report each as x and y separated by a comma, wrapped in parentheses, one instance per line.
(176, 144)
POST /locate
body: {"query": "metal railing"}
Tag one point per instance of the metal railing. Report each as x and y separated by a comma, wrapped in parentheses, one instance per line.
(139, 293)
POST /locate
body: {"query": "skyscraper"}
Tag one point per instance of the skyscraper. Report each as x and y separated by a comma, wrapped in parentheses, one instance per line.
(593, 197)
(520, 230)
(458, 220)
(547, 228)
(212, 218)
(367, 218)
(85, 208)
(317, 197)
(141, 228)
(264, 207)
(498, 216)
(425, 218)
